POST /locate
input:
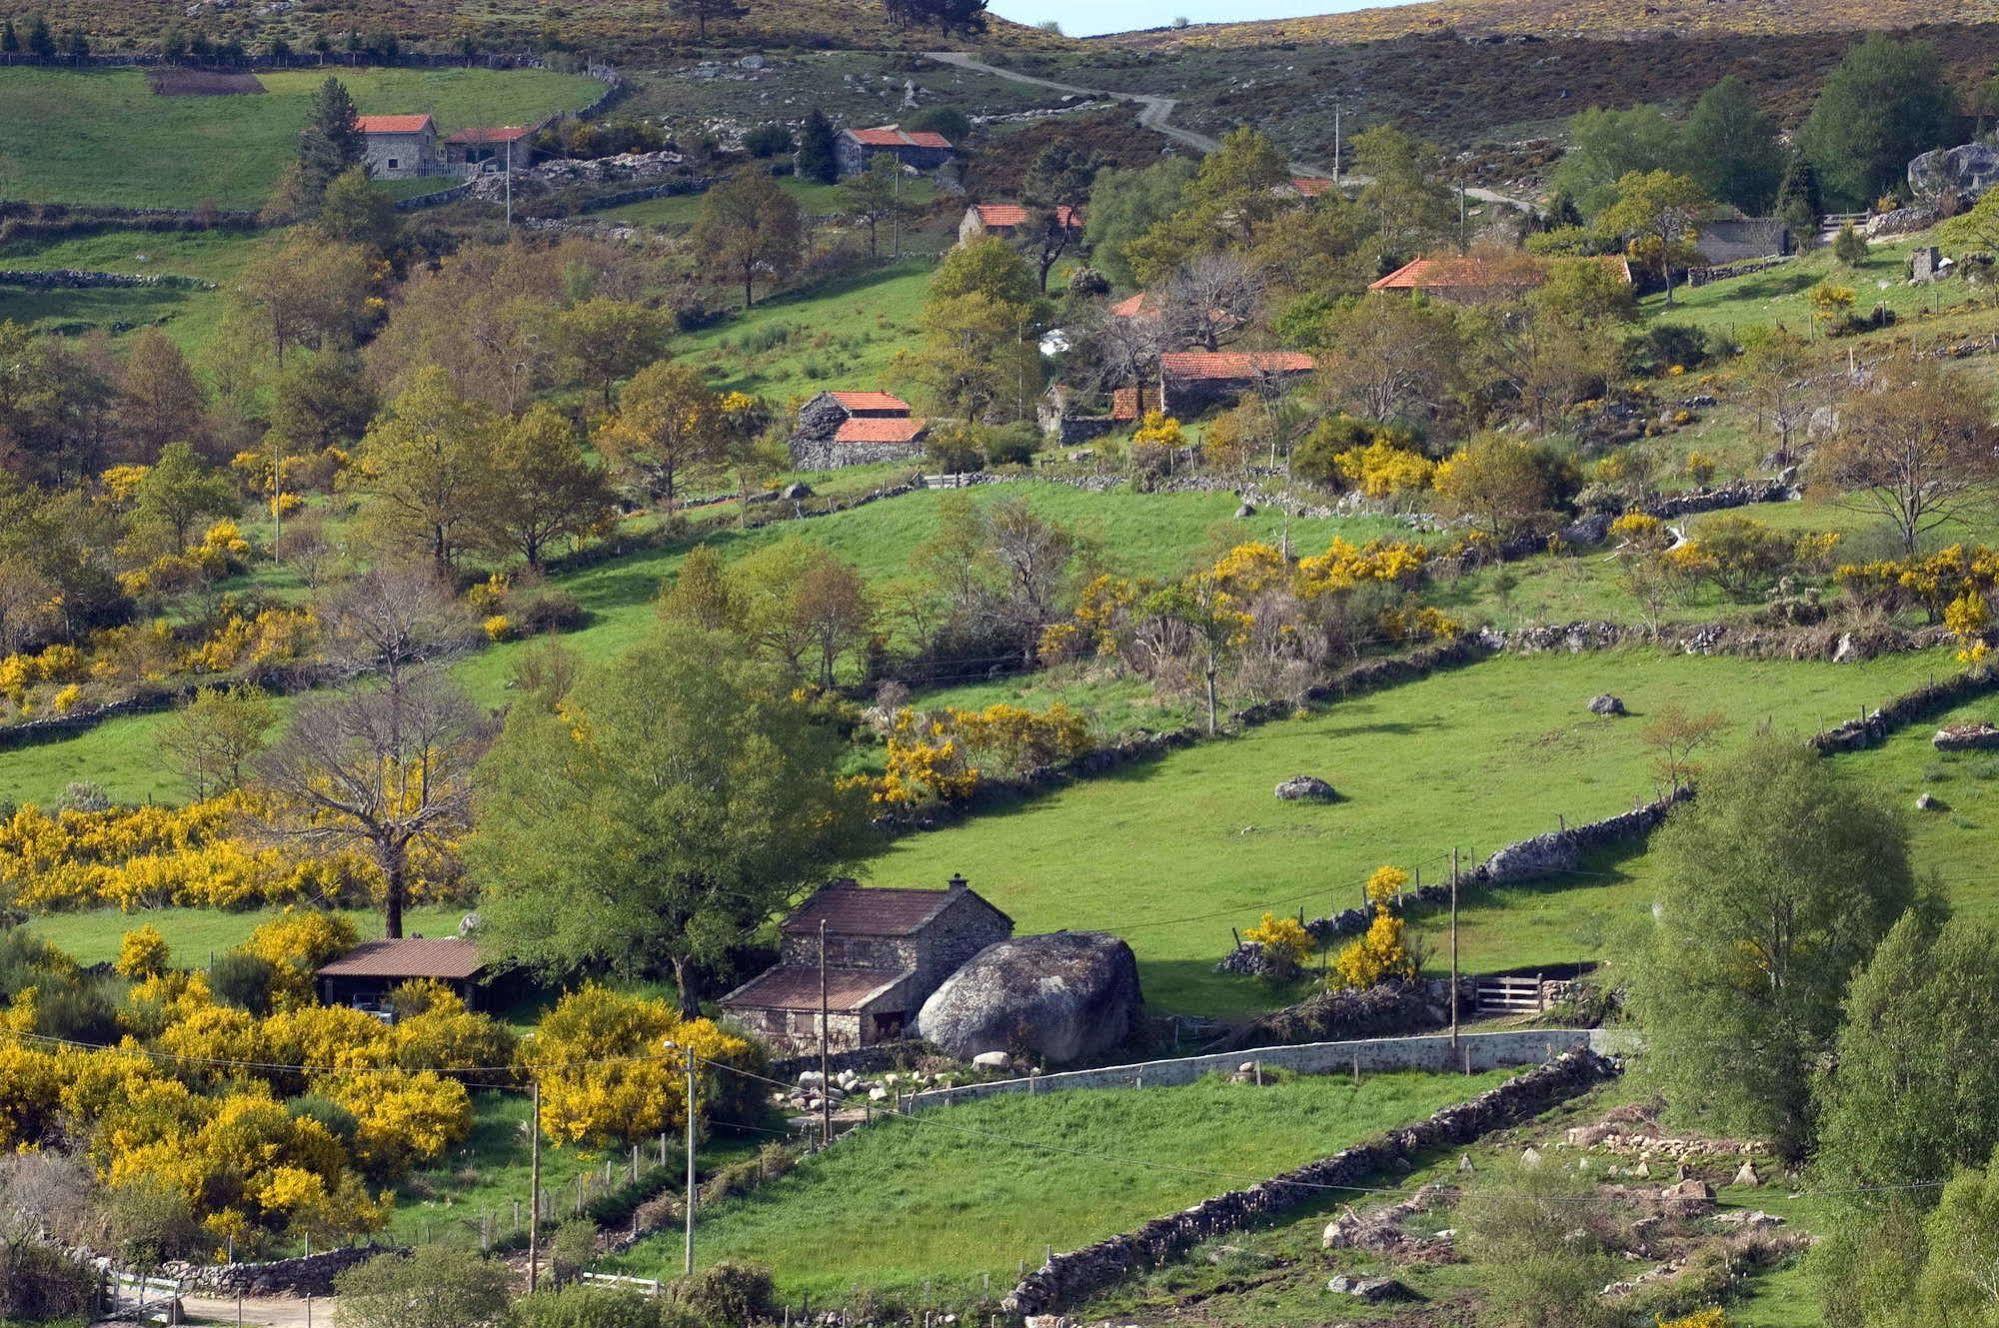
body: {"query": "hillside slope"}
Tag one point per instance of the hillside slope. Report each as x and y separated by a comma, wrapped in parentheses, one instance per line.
(618, 29)
(1598, 19)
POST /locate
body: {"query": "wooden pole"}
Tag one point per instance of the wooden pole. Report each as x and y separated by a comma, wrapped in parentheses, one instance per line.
(534, 1190)
(825, 1051)
(1454, 949)
(690, 1162)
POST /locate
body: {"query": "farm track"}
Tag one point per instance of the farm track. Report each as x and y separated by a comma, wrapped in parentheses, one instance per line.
(1155, 112)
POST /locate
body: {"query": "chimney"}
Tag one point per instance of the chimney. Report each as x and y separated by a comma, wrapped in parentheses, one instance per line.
(957, 881)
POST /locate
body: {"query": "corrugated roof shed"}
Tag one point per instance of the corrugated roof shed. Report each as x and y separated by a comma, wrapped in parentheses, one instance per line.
(445, 958)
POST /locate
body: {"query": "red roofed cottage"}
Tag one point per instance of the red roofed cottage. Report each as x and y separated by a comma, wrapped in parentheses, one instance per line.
(886, 951)
(1006, 219)
(919, 149)
(398, 147)
(365, 975)
(850, 428)
(1191, 381)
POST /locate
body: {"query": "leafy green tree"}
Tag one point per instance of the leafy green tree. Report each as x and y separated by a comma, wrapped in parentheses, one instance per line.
(420, 466)
(1960, 1278)
(1910, 1097)
(1849, 246)
(353, 211)
(988, 266)
(212, 738)
(1234, 194)
(1657, 213)
(432, 1287)
(331, 141)
(1405, 191)
(680, 800)
(41, 42)
(160, 399)
(1607, 145)
(1125, 204)
(874, 196)
(1757, 934)
(952, 123)
(318, 402)
(1799, 202)
(1731, 147)
(604, 339)
(818, 155)
(977, 358)
(536, 487)
(1887, 101)
(1866, 1265)
(178, 491)
(1055, 188)
(10, 40)
(669, 426)
(752, 228)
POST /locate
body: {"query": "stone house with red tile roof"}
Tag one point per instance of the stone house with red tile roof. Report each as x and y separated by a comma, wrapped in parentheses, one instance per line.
(920, 150)
(1192, 381)
(886, 951)
(498, 148)
(853, 428)
(399, 147)
(1476, 278)
(1006, 219)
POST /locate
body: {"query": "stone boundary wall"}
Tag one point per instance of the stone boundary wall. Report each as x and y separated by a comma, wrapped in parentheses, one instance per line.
(1747, 640)
(1524, 860)
(80, 279)
(1909, 708)
(1072, 1276)
(309, 1275)
(1430, 1051)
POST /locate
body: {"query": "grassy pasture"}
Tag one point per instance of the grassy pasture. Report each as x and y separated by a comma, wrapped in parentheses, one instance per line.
(188, 316)
(952, 1195)
(1173, 853)
(1781, 294)
(102, 136)
(815, 198)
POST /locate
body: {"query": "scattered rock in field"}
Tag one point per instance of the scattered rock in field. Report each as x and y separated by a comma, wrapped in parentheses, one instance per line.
(1756, 1221)
(1966, 737)
(793, 492)
(1464, 1164)
(993, 1060)
(1245, 511)
(1307, 788)
(1606, 704)
(1690, 1188)
(1746, 1175)
(1368, 1288)
(1530, 1157)
(1926, 802)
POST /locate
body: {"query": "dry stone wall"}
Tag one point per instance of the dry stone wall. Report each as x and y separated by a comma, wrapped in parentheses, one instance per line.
(1073, 1276)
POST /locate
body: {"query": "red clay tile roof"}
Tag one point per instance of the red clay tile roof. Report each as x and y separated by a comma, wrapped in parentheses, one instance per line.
(890, 136)
(870, 401)
(1310, 186)
(895, 429)
(1124, 404)
(1232, 364)
(994, 215)
(392, 124)
(854, 910)
(444, 957)
(1474, 273)
(797, 988)
(1136, 306)
(497, 134)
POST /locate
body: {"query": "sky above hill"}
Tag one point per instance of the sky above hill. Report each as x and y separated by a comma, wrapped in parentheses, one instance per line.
(1091, 18)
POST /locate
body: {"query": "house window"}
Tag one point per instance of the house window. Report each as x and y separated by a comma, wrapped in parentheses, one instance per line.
(393, 163)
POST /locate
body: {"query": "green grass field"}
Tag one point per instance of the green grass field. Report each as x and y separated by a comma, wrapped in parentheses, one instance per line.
(948, 1198)
(1154, 534)
(816, 199)
(189, 317)
(102, 136)
(1780, 294)
(194, 934)
(1174, 853)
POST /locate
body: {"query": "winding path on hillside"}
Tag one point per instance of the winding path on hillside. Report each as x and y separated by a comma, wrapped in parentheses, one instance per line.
(1156, 113)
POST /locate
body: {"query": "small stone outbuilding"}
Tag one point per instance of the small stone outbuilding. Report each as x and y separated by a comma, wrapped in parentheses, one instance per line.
(1006, 220)
(1191, 381)
(479, 151)
(920, 150)
(1736, 239)
(886, 951)
(399, 147)
(853, 428)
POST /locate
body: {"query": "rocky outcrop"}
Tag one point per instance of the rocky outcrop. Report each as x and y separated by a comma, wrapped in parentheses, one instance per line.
(1306, 788)
(1967, 171)
(1902, 221)
(1073, 1276)
(1064, 996)
(1606, 704)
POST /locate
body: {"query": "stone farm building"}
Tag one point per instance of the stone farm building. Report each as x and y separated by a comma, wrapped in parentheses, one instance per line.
(1191, 381)
(854, 428)
(1476, 278)
(1733, 239)
(365, 975)
(474, 151)
(920, 150)
(1006, 219)
(399, 147)
(886, 951)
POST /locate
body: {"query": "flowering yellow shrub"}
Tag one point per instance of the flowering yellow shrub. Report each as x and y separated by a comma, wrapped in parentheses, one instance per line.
(1384, 470)
(403, 1117)
(1711, 1317)
(925, 763)
(435, 1031)
(1283, 939)
(1377, 956)
(1639, 530)
(142, 953)
(942, 758)
(1966, 618)
(606, 1076)
(1385, 884)
(499, 627)
(297, 942)
(32, 1091)
(490, 593)
(1344, 565)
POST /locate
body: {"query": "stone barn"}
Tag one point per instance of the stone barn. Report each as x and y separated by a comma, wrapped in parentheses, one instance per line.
(1006, 219)
(920, 150)
(476, 151)
(885, 952)
(1191, 381)
(399, 147)
(853, 428)
(1479, 278)
(1733, 239)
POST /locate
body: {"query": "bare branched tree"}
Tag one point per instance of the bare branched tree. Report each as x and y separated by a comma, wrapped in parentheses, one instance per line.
(1120, 352)
(1211, 299)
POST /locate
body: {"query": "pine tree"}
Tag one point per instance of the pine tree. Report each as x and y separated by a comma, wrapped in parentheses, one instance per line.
(10, 40)
(331, 141)
(818, 157)
(41, 42)
(1799, 204)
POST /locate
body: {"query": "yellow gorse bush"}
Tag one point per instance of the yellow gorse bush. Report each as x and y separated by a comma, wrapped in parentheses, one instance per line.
(1376, 957)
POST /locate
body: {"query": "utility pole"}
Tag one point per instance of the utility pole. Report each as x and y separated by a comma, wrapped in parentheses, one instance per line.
(1454, 950)
(1336, 145)
(534, 1190)
(825, 1053)
(510, 186)
(690, 1162)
